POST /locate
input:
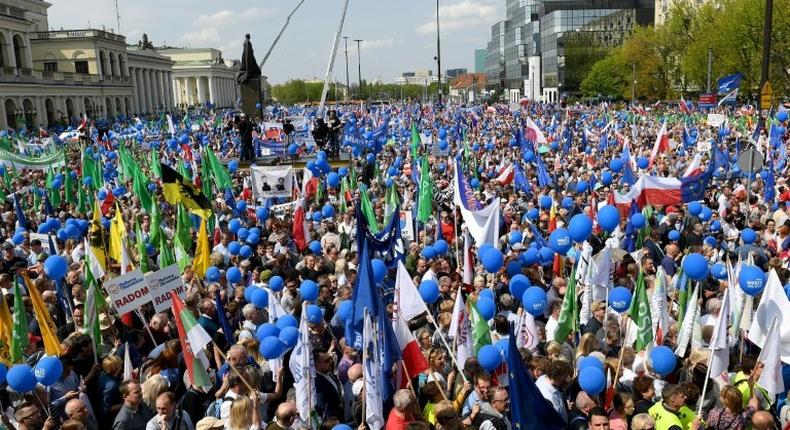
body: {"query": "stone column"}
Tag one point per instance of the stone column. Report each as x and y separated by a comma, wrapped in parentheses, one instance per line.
(200, 89)
(134, 91)
(150, 90)
(170, 103)
(3, 120)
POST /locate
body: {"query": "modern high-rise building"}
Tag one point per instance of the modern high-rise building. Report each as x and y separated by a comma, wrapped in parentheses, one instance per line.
(480, 60)
(543, 48)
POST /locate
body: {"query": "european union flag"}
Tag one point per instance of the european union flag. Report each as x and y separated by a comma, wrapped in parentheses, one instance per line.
(223, 319)
(692, 188)
(528, 408)
(21, 219)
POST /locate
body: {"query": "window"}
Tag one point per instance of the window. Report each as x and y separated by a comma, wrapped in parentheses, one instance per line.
(81, 66)
(50, 66)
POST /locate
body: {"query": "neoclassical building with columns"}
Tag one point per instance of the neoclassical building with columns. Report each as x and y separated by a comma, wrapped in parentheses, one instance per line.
(201, 75)
(52, 76)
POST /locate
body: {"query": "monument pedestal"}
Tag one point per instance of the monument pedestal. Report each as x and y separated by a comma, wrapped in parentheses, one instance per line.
(250, 97)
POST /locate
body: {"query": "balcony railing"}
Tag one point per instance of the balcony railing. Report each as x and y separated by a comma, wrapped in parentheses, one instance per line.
(69, 34)
(14, 75)
(12, 11)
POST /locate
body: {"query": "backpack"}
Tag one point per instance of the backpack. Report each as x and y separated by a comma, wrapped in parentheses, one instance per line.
(214, 408)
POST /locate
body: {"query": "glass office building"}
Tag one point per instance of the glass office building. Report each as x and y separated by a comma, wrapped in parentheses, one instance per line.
(545, 28)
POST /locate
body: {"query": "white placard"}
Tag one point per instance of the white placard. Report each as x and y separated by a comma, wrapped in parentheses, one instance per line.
(716, 119)
(128, 291)
(406, 226)
(271, 181)
(160, 285)
(44, 239)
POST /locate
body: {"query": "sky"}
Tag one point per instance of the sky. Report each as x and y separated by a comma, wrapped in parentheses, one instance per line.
(398, 35)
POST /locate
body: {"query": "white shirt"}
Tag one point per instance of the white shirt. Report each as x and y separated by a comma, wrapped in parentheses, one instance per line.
(553, 395)
(551, 328)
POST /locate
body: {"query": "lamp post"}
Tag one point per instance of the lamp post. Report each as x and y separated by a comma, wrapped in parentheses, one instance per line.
(710, 64)
(359, 66)
(633, 86)
(438, 54)
(348, 88)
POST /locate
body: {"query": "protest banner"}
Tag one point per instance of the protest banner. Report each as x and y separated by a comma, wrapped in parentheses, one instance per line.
(128, 291)
(161, 284)
(271, 181)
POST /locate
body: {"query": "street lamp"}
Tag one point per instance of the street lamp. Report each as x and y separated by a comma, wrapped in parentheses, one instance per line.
(348, 88)
(359, 65)
(633, 87)
(438, 53)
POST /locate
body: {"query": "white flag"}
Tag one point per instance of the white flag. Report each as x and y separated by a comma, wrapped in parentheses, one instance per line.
(170, 125)
(771, 378)
(526, 332)
(468, 271)
(460, 331)
(774, 304)
(127, 363)
(719, 347)
(410, 303)
(658, 305)
(371, 370)
(303, 370)
(96, 269)
(688, 323)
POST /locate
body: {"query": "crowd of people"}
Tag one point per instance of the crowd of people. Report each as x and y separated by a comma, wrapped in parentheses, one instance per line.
(456, 282)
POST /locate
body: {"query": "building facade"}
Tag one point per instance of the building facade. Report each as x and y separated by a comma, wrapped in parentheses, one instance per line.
(528, 49)
(480, 60)
(152, 78)
(201, 75)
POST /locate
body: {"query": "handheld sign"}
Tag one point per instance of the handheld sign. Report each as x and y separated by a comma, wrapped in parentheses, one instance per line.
(161, 284)
(128, 291)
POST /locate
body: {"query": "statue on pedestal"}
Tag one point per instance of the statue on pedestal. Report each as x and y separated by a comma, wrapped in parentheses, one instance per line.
(249, 68)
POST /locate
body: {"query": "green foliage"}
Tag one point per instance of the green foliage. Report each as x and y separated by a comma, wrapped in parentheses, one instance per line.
(299, 91)
(607, 78)
(671, 60)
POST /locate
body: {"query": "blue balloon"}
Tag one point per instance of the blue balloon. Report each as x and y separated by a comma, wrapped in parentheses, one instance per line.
(546, 255)
(673, 235)
(616, 165)
(333, 180)
(248, 293)
(328, 211)
(706, 213)
(234, 225)
(489, 357)
(276, 283)
(609, 218)
(379, 270)
(271, 347)
(503, 346)
(314, 314)
(474, 183)
(234, 248)
(567, 202)
(73, 232)
(260, 298)
(61, 235)
(533, 214)
(515, 237)
(486, 293)
(518, 285)
(560, 241)
(534, 301)
(748, 236)
(441, 247)
(663, 360)
(592, 380)
(253, 239)
(545, 202)
(342, 427)
(345, 310)
(18, 238)
(589, 361)
(642, 162)
(44, 228)
(513, 268)
(620, 299)
(55, 267)
(21, 378)
(606, 178)
(233, 165)
(286, 320)
(315, 247)
(695, 266)
(429, 291)
(719, 271)
(580, 227)
(530, 256)
(293, 149)
(581, 187)
(48, 370)
(751, 280)
(308, 290)
(242, 233)
(266, 329)
(289, 336)
(781, 116)
(638, 220)
(492, 260)
(711, 241)
(233, 275)
(715, 225)
(261, 213)
(429, 252)
(695, 208)
(486, 307)
(212, 274)
(241, 206)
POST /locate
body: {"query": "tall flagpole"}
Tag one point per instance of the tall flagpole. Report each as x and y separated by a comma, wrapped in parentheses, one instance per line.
(332, 57)
(282, 30)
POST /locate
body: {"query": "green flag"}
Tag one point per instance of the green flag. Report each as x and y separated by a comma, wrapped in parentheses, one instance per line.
(415, 141)
(566, 322)
(142, 252)
(140, 188)
(182, 242)
(425, 199)
(156, 225)
(481, 333)
(155, 167)
(221, 176)
(94, 303)
(71, 189)
(166, 257)
(19, 339)
(342, 196)
(640, 313)
(367, 210)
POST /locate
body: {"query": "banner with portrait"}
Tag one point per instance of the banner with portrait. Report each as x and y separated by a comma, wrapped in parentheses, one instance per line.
(271, 181)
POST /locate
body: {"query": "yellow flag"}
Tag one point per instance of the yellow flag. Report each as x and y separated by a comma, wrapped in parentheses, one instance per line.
(96, 236)
(45, 323)
(117, 233)
(5, 332)
(202, 251)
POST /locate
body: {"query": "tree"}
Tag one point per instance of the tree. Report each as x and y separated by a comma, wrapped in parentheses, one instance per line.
(606, 77)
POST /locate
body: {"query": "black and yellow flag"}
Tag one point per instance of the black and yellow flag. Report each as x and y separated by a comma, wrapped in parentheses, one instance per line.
(177, 189)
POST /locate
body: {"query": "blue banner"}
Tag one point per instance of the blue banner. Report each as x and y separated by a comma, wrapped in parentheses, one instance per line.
(729, 83)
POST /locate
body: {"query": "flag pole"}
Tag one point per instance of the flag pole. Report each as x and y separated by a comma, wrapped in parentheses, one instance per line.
(444, 342)
(244, 380)
(148, 329)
